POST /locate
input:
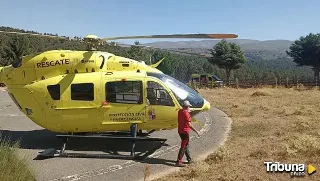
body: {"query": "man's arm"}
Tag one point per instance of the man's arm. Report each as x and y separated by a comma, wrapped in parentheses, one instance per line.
(193, 129)
(189, 119)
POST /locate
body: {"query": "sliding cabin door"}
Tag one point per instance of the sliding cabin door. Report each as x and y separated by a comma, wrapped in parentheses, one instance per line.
(123, 103)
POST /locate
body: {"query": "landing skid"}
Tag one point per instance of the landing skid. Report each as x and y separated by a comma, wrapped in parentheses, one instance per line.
(52, 152)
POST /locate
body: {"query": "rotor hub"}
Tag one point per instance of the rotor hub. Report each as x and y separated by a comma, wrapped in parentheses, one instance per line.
(91, 37)
(92, 41)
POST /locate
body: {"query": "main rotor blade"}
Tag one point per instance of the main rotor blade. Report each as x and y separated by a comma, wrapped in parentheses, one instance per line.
(193, 36)
(33, 34)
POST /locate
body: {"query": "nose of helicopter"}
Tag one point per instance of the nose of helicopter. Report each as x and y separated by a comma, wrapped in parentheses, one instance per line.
(206, 105)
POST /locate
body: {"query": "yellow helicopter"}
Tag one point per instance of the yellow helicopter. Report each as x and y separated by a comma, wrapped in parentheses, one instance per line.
(91, 91)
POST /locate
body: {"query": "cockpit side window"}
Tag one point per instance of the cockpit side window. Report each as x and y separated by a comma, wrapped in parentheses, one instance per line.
(157, 95)
(54, 91)
(126, 92)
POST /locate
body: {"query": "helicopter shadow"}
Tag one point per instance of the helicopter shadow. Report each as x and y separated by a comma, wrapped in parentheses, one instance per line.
(112, 148)
(35, 139)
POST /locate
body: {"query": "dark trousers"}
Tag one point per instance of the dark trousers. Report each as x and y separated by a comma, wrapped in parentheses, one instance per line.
(184, 148)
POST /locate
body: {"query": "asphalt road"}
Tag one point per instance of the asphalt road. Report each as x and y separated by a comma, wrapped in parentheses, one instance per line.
(34, 139)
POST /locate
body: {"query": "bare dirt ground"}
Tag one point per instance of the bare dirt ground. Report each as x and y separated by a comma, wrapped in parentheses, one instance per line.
(269, 124)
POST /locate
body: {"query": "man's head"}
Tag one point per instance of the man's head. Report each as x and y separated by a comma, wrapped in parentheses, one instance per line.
(186, 104)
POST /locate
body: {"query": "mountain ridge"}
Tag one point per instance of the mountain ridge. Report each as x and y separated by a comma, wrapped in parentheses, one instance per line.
(254, 49)
(209, 43)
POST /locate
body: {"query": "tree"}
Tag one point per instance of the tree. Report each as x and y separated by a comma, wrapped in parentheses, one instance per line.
(137, 43)
(306, 52)
(16, 47)
(227, 56)
(135, 52)
(168, 65)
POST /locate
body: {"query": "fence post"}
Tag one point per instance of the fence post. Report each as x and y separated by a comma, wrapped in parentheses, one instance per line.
(237, 83)
(276, 79)
(287, 84)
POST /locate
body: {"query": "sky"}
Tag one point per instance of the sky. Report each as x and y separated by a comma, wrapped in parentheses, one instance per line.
(249, 19)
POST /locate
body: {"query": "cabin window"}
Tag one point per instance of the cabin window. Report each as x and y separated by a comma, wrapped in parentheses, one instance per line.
(54, 91)
(82, 92)
(157, 95)
(127, 92)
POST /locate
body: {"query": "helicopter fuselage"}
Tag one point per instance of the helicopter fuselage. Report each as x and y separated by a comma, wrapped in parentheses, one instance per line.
(93, 91)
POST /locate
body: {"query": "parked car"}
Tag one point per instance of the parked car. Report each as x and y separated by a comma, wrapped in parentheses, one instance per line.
(205, 80)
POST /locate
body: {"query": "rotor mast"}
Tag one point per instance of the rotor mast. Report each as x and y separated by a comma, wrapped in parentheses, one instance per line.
(92, 42)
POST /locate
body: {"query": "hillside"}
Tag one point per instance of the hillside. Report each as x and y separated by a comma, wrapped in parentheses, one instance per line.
(266, 59)
(254, 49)
(207, 44)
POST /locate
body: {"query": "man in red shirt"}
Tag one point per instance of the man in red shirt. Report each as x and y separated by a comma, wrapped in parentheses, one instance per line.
(184, 126)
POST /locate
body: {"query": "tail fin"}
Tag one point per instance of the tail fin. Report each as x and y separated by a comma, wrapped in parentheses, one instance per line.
(158, 63)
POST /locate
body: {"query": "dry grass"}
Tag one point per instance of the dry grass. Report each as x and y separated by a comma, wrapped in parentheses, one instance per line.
(12, 167)
(268, 125)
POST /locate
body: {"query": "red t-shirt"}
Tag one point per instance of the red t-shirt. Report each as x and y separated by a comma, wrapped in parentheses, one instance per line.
(183, 121)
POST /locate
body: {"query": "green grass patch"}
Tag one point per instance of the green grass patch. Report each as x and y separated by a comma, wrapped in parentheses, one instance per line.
(13, 168)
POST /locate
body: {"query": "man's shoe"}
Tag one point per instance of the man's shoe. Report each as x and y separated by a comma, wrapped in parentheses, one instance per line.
(179, 165)
(190, 161)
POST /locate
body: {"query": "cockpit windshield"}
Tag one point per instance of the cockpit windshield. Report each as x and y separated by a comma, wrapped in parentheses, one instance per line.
(181, 91)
